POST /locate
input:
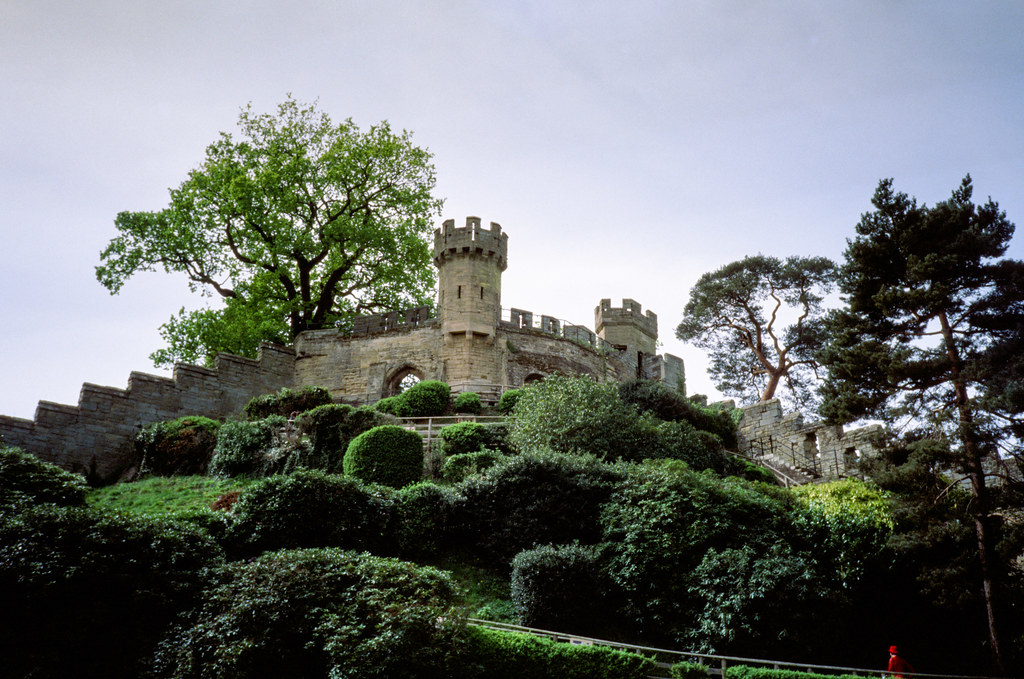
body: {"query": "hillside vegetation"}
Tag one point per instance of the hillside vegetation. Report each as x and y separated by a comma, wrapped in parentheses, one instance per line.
(596, 509)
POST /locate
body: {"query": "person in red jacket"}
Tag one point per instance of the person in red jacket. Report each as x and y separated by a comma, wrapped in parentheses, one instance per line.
(897, 665)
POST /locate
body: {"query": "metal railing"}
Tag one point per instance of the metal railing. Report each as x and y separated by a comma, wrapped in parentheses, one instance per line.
(716, 664)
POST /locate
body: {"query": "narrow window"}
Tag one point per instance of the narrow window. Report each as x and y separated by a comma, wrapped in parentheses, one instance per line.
(459, 292)
(481, 293)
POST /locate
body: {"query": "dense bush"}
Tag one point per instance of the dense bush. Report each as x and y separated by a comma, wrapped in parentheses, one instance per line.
(669, 405)
(460, 467)
(498, 437)
(308, 509)
(534, 499)
(464, 437)
(392, 405)
(755, 472)
(507, 655)
(699, 449)
(747, 672)
(317, 613)
(688, 670)
(243, 447)
(85, 593)
(468, 402)
(286, 401)
(427, 398)
(507, 400)
(560, 588)
(757, 601)
(330, 428)
(25, 480)
(422, 516)
(660, 524)
(577, 415)
(181, 447)
(389, 455)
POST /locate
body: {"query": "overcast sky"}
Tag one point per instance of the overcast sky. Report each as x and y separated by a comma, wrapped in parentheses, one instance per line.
(626, 147)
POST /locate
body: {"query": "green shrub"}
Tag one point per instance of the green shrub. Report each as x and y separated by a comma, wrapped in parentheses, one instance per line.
(286, 401)
(242, 447)
(534, 499)
(468, 402)
(560, 588)
(508, 655)
(389, 455)
(460, 467)
(25, 479)
(330, 428)
(498, 437)
(659, 525)
(669, 405)
(393, 405)
(86, 593)
(422, 517)
(464, 437)
(755, 472)
(688, 670)
(427, 398)
(317, 613)
(699, 449)
(308, 509)
(579, 416)
(507, 400)
(747, 672)
(181, 447)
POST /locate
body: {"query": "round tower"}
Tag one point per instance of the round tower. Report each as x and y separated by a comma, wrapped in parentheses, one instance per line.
(469, 263)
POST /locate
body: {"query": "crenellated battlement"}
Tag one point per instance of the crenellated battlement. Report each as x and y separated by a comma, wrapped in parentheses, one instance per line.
(471, 239)
(630, 313)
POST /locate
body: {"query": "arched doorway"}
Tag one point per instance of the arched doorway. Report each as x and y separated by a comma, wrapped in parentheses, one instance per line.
(402, 379)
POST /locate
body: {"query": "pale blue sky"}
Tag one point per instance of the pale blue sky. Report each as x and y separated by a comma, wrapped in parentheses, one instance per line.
(626, 148)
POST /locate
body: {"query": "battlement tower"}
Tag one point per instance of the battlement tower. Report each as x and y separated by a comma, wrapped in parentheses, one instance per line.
(627, 325)
(469, 263)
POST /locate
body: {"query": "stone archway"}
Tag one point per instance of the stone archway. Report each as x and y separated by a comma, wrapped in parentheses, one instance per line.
(533, 377)
(402, 379)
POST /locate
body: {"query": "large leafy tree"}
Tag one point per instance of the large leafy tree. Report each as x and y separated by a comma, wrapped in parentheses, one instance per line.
(758, 319)
(296, 224)
(926, 300)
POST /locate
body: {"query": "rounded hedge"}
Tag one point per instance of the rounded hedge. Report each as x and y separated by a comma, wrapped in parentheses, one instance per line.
(508, 400)
(468, 402)
(421, 518)
(464, 437)
(559, 588)
(389, 455)
(427, 398)
(181, 447)
(307, 509)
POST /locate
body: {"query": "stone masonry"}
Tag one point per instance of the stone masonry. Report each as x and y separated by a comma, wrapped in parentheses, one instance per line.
(816, 451)
(471, 344)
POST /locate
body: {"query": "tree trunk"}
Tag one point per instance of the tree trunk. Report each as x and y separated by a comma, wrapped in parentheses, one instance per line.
(976, 473)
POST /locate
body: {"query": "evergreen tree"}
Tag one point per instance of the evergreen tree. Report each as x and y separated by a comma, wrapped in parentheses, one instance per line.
(927, 298)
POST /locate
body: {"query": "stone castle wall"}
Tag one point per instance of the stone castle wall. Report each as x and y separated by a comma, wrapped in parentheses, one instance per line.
(817, 449)
(96, 435)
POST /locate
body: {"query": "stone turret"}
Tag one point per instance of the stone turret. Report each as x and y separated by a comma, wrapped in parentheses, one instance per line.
(627, 326)
(469, 263)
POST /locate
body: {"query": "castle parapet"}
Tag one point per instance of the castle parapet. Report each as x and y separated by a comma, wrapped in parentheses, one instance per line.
(413, 317)
(471, 239)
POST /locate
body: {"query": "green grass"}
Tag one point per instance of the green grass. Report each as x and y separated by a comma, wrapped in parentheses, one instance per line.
(163, 495)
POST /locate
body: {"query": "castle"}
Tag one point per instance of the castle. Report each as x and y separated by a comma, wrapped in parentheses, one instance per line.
(472, 344)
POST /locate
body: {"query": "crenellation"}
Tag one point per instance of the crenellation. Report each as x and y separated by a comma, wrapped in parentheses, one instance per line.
(821, 450)
(467, 345)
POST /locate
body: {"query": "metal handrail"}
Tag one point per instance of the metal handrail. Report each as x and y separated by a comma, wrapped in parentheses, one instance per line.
(723, 661)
